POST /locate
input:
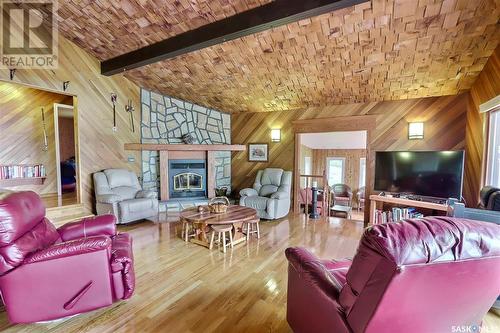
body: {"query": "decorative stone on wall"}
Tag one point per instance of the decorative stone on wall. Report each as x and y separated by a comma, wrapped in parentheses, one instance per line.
(166, 119)
(223, 169)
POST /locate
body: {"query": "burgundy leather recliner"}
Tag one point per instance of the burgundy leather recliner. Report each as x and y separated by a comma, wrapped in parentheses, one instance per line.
(421, 275)
(48, 273)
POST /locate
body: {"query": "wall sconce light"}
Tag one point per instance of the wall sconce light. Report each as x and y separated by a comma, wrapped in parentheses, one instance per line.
(276, 135)
(415, 131)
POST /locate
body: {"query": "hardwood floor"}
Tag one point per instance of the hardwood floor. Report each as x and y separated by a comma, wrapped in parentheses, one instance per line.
(54, 200)
(183, 287)
(357, 216)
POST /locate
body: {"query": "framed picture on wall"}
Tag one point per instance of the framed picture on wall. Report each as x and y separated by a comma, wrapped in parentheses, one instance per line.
(258, 152)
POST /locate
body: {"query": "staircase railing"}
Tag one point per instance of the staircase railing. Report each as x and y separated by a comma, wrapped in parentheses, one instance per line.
(326, 192)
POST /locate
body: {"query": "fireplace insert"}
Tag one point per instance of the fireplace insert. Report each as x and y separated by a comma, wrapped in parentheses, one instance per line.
(187, 178)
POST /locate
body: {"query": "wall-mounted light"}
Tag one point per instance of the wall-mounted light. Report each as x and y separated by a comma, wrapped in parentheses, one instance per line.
(415, 131)
(276, 135)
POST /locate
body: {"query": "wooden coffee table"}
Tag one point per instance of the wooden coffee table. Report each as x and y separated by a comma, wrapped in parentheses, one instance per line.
(234, 215)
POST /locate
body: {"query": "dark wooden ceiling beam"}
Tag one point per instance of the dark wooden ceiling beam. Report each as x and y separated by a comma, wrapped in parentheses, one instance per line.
(274, 14)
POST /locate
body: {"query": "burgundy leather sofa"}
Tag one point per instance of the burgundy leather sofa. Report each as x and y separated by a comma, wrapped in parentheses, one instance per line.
(48, 273)
(422, 275)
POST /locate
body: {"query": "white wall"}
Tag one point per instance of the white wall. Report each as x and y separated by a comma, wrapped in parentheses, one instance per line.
(335, 140)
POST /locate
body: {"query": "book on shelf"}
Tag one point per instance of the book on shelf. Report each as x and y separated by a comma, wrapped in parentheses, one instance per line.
(396, 214)
(22, 171)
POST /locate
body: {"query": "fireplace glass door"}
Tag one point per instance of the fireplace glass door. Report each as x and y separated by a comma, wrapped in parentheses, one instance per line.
(188, 181)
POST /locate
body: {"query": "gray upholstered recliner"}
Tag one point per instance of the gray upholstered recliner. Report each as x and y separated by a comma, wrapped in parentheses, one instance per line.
(118, 192)
(270, 194)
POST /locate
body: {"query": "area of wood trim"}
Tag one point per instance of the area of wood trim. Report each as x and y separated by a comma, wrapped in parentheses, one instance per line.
(182, 147)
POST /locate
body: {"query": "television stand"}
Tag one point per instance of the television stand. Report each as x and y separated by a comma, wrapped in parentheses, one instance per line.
(377, 202)
(419, 198)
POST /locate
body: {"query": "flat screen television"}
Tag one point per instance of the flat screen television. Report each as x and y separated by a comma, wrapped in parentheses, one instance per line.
(437, 174)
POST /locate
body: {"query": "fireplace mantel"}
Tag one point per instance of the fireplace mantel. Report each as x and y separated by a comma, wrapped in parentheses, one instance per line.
(175, 151)
(183, 147)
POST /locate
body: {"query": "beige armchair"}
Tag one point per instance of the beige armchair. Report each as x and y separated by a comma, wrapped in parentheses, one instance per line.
(118, 192)
(270, 194)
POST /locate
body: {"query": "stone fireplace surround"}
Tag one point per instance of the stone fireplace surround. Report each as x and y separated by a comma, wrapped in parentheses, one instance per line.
(169, 152)
(165, 120)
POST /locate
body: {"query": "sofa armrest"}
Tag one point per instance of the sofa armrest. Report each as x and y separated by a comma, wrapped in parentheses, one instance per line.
(308, 284)
(313, 270)
(280, 195)
(146, 194)
(122, 260)
(248, 192)
(103, 225)
(71, 248)
(108, 198)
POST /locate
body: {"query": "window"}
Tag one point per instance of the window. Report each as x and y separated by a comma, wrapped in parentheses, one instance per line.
(493, 159)
(307, 170)
(308, 165)
(362, 171)
(336, 167)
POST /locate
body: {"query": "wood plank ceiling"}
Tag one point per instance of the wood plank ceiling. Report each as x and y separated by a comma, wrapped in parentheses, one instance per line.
(380, 50)
(110, 28)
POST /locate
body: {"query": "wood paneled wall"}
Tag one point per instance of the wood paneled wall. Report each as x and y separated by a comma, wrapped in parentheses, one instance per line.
(351, 167)
(21, 129)
(486, 87)
(100, 147)
(444, 117)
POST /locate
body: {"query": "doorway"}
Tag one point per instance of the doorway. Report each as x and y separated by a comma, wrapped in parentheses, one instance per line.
(334, 168)
(32, 151)
(64, 124)
(341, 157)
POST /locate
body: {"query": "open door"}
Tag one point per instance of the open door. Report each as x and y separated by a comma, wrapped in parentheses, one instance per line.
(65, 146)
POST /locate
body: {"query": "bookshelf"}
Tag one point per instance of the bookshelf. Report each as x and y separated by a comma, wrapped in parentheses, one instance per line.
(377, 203)
(22, 181)
(22, 174)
